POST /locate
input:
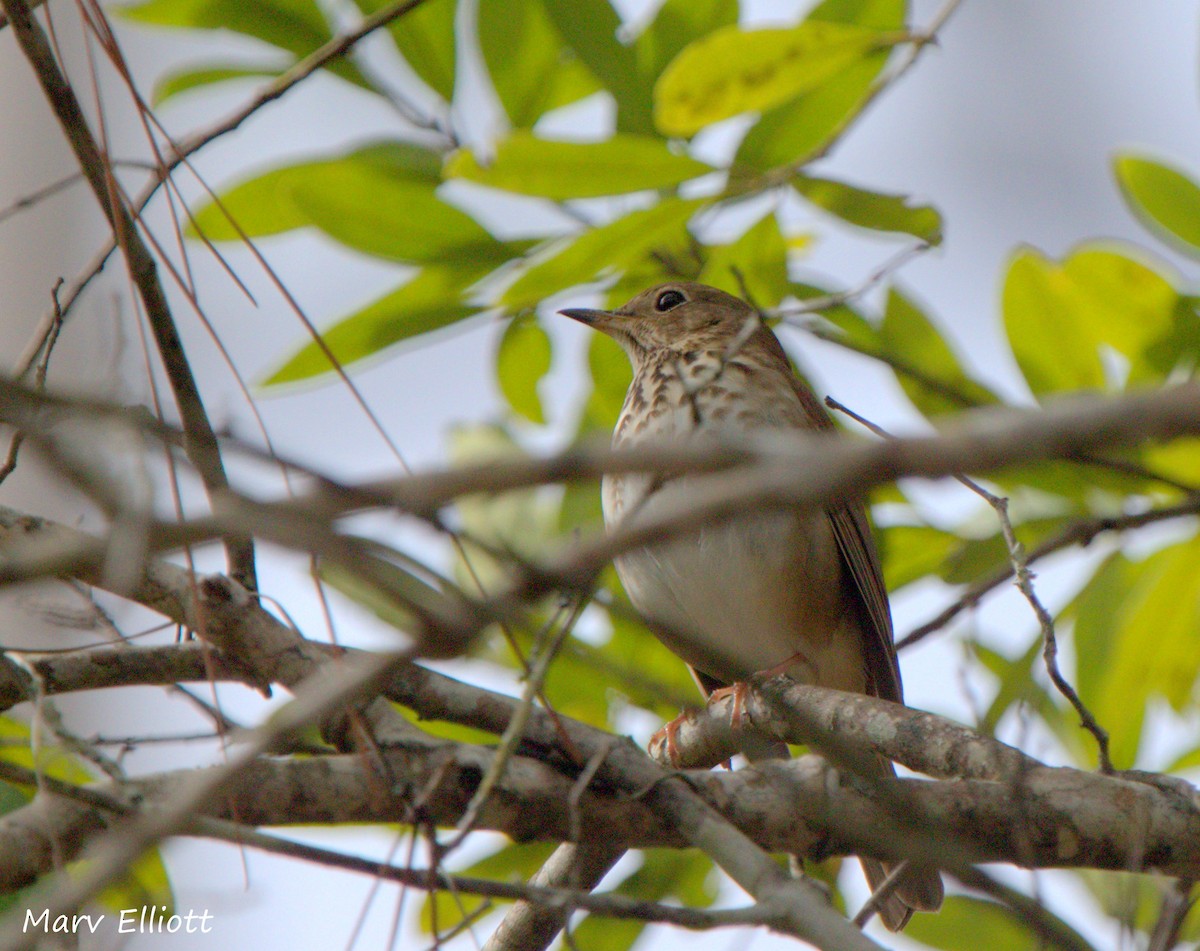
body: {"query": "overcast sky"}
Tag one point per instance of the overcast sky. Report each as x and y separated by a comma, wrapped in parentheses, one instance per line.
(1009, 128)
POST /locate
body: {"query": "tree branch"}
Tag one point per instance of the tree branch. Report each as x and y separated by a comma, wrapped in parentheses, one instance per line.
(201, 443)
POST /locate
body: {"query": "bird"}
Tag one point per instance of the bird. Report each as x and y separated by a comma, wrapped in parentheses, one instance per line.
(798, 590)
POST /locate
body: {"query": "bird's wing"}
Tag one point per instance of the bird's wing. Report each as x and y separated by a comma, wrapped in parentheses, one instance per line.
(861, 559)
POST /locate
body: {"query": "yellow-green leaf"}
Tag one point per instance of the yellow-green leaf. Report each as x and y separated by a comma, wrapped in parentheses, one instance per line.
(754, 264)
(608, 248)
(425, 38)
(265, 204)
(1096, 296)
(390, 217)
(938, 383)
(430, 301)
(967, 924)
(913, 552)
(676, 24)
(532, 70)
(794, 132)
(1165, 199)
(522, 359)
(732, 70)
(196, 77)
(873, 210)
(1126, 606)
(611, 374)
(297, 26)
(547, 168)
(1040, 306)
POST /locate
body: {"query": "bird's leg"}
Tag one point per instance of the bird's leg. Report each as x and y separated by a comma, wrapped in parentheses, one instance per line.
(783, 667)
(666, 736)
(741, 690)
(737, 709)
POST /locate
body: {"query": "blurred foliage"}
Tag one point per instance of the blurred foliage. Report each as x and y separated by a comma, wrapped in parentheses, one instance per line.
(145, 884)
(636, 202)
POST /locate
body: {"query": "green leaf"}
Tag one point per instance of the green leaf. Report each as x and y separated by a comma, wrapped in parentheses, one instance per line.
(531, 68)
(909, 336)
(611, 374)
(392, 593)
(872, 210)
(590, 27)
(1018, 685)
(976, 558)
(297, 26)
(684, 876)
(1165, 199)
(858, 330)
(394, 218)
(913, 552)
(874, 14)
(1096, 296)
(522, 522)
(966, 924)
(430, 301)
(732, 71)
(266, 205)
(554, 169)
(600, 250)
(678, 23)
(515, 861)
(425, 38)
(797, 130)
(1040, 305)
(185, 80)
(759, 256)
(522, 360)
(1161, 600)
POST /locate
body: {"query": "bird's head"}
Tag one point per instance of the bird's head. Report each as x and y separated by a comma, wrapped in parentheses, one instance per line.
(679, 316)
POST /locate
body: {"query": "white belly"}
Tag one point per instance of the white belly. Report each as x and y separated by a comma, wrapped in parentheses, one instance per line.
(744, 595)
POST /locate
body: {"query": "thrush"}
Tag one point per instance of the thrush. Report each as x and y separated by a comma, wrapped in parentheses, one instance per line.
(800, 590)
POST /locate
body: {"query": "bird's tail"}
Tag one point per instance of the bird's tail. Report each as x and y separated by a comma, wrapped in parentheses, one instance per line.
(919, 888)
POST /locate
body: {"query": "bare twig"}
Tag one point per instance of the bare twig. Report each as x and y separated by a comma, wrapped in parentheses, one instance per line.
(201, 444)
(39, 379)
(1024, 582)
(550, 641)
(1081, 532)
(1176, 904)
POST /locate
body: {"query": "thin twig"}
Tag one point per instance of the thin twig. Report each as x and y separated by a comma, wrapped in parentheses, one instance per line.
(1024, 582)
(1081, 532)
(551, 641)
(201, 444)
(39, 378)
(1173, 911)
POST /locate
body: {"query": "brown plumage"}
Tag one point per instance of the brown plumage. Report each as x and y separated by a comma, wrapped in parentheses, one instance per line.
(749, 594)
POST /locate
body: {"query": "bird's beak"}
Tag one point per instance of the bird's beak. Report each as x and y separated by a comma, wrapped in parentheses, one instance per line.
(600, 319)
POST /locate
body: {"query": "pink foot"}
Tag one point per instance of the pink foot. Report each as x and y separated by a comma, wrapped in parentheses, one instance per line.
(665, 736)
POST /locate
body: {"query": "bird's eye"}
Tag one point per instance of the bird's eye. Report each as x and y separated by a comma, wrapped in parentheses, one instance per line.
(668, 300)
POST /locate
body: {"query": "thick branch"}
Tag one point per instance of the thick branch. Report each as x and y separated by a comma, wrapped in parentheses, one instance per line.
(1055, 817)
